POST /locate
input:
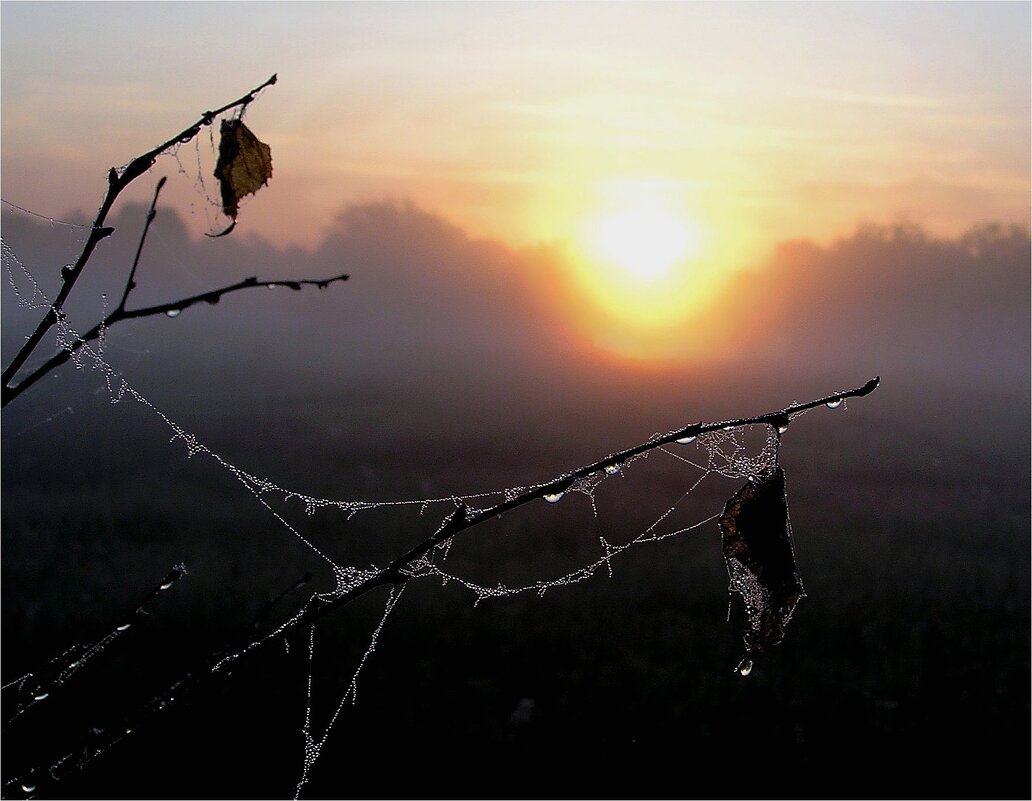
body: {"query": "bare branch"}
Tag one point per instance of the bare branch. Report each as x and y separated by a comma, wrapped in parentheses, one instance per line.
(171, 309)
(116, 183)
(38, 686)
(395, 573)
(462, 520)
(152, 212)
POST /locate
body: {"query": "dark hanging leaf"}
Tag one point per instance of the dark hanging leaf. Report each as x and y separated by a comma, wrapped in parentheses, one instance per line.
(244, 166)
(757, 543)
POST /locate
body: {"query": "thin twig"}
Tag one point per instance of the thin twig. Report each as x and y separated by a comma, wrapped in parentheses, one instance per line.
(99, 739)
(173, 308)
(152, 212)
(263, 615)
(117, 182)
(60, 669)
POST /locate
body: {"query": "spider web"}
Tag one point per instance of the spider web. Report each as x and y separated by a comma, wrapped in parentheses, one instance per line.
(731, 452)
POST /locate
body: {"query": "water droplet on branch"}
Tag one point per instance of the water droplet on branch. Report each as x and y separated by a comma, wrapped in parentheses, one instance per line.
(745, 667)
(173, 312)
(553, 497)
(686, 440)
(611, 469)
(834, 404)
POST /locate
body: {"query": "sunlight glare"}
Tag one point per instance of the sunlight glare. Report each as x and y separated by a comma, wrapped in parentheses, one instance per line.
(644, 242)
(645, 266)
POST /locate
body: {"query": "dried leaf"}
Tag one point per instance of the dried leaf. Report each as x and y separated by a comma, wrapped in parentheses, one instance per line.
(244, 166)
(757, 544)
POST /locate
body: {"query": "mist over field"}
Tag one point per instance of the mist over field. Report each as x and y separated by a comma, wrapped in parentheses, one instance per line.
(447, 364)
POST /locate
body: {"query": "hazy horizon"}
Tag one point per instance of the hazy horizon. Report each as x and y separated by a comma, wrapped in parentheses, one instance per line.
(568, 227)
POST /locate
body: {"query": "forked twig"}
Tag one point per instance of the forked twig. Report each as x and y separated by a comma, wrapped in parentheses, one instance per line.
(117, 182)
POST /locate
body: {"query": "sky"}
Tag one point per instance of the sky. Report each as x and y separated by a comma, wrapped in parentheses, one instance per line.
(663, 146)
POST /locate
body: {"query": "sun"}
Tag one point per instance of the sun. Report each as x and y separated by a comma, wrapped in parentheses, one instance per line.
(644, 272)
(646, 243)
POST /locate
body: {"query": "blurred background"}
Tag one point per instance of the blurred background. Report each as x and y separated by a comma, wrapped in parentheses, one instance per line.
(566, 230)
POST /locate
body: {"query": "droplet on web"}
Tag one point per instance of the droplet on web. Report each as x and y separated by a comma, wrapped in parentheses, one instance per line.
(834, 404)
(611, 469)
(686, 440)
(553, 497)
(745, 667)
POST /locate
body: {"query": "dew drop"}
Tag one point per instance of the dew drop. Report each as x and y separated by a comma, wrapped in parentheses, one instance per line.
(611, 469)
(554, 497)
(40, 696)
(834, 404)
(686, 440)
(173, 312)
(28, 788)
(745, 667)
(783, 427)
(166, 585)
(270, 286)
(123, 627)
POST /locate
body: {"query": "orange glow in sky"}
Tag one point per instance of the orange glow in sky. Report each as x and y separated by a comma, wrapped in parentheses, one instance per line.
(662, 145)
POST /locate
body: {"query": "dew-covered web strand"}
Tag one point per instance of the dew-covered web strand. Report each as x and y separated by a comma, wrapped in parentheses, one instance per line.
(427, 568)
(38, 298)
(44, 217)
(313, 746)
(725, 455)
(83, 354)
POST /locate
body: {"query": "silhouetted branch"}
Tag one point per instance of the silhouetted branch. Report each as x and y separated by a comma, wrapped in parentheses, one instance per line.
(396, 573)
(273, 602)
(99, 739)
(462, 519)
(98, 231)
(152, 212)
(36, 687)
(171, 309)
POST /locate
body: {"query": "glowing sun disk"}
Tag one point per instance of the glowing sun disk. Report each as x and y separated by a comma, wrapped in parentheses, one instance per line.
(645, 243)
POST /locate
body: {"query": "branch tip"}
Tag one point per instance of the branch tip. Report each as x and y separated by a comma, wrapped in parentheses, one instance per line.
(869, 387)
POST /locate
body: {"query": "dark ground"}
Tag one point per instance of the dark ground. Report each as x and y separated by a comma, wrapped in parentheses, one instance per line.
(904, 673)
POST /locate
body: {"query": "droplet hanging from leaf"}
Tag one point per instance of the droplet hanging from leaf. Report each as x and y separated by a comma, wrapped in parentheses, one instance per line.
(757, 544)
(244, 166)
